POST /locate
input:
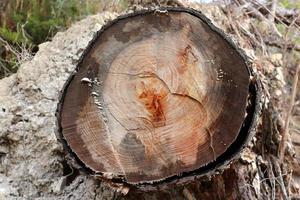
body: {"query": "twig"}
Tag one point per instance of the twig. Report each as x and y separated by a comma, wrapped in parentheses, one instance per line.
(233, 23)
(255, 12)
(9, 47)
(271, 17)
(281, 45)
(289, 113)
(292, 101)
(285, 15)
(277, 18)
(285, 40)
(272, 180)
(262, 42)
(5, 69)
(22, 55)
(280, 180)
(273, 10)
(253, 40)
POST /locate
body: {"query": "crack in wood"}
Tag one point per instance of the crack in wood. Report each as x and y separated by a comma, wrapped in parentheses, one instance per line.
(151, 74)
(211, 143)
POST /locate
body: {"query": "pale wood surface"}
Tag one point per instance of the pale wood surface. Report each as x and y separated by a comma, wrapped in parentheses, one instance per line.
(167, 95)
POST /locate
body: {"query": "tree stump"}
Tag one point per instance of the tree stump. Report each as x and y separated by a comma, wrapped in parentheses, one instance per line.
(158, 96)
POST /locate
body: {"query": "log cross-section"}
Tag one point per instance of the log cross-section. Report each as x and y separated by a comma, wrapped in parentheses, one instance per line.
(156, 95)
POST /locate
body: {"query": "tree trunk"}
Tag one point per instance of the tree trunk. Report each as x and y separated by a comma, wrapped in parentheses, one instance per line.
(159, 96)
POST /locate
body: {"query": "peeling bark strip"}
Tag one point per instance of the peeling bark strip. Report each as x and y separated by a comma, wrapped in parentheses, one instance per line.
(158, 96)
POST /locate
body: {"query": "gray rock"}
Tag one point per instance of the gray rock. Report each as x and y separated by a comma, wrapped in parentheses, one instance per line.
(30, 154)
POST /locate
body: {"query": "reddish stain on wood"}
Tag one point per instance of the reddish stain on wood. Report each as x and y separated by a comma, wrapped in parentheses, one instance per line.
(186, 58)
(153, 101)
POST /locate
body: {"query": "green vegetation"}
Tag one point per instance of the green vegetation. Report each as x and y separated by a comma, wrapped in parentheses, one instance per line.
(290, 4)
(24, 24)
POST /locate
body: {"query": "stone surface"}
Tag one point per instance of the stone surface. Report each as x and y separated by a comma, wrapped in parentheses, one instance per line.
(30, 155)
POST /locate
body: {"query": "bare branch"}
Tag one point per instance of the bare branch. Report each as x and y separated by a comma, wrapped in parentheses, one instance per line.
(287, 119)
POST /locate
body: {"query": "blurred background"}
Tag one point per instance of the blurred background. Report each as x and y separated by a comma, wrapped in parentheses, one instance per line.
(24, 24)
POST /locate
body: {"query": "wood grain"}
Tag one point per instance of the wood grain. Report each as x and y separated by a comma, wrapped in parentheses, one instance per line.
(156, 95)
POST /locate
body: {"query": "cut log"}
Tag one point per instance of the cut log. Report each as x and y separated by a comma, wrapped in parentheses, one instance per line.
(158, 96)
